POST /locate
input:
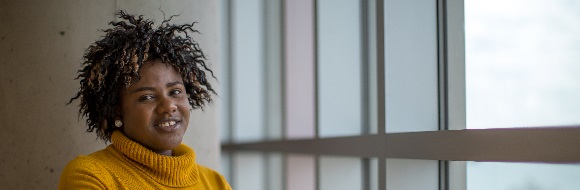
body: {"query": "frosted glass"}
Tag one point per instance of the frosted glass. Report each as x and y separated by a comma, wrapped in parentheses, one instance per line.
(340, 173)
(411, 94)
(249, 171)
(301, 172)
(339, 68)
(299, 69)
(407, 174)
(248, 96)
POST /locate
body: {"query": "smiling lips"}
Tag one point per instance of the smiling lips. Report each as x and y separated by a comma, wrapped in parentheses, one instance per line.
(169, 125)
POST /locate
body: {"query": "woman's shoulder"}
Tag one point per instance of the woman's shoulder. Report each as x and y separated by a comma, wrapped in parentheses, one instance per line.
(85, 171)
(210, 176)
(93, 160)
(207, 171)
(86, 161)
(81, 172)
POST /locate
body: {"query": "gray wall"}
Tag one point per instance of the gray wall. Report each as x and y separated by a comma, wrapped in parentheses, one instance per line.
(41, 48)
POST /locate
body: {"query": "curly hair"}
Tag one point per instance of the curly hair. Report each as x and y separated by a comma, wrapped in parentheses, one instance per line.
(113, 62)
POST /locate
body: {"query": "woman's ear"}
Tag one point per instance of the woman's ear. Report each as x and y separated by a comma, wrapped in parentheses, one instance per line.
(118, 117)
(118, 110)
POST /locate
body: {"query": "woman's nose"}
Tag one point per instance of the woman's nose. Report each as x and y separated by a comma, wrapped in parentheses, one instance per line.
(166, 105)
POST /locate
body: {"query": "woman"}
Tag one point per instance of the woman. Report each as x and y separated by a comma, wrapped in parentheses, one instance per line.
(138, 85)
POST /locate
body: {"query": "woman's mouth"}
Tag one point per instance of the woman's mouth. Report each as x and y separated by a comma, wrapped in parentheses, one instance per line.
(169, 126)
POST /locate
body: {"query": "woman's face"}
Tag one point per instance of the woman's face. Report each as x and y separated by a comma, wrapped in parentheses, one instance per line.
(155, 109)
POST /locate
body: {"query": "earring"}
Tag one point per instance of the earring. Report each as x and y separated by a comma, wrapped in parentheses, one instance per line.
(118, 123)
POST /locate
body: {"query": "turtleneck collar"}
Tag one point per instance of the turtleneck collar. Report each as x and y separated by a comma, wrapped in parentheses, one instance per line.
(179, 170)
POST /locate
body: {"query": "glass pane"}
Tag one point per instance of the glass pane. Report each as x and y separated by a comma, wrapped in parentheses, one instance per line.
(407, 174)
(522, 63)
(249, 171)
(522, 176)
(299, 69)
(339, 67)
(411, 66)
(275, 171)
(253, 170)
(247, 66)
(373, 174)
(301, 172)
(340, 173)
(522, 71)
(371, 55)
(273, 67)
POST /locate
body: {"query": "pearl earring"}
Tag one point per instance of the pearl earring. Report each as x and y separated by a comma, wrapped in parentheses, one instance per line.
(118, 123)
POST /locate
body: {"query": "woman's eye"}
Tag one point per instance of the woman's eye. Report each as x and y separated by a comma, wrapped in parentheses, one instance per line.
(146, 98)
(175, 92)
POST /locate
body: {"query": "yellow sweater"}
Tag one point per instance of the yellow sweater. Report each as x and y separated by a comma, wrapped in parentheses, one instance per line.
(126, 164)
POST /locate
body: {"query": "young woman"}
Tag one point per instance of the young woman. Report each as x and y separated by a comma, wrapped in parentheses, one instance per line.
(138, 85)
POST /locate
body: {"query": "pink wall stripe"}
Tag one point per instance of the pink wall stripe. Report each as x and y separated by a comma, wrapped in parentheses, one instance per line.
(301, 172)
(299, 69)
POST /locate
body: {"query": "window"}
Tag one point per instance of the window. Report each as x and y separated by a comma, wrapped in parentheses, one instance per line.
(521, 68)
(359, 94)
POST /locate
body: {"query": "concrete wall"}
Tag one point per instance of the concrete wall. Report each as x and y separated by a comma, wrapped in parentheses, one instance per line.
(41, 48)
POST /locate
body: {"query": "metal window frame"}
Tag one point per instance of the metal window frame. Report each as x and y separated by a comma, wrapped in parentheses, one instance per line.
(543, 145)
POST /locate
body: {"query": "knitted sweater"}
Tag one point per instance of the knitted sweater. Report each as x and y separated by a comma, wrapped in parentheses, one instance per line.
(126, 164)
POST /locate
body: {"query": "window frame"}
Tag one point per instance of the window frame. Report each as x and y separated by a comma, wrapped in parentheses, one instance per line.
(452, 145)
